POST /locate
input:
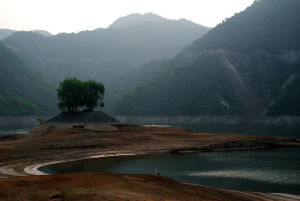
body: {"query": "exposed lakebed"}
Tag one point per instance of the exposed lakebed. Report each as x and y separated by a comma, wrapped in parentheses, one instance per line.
(269, 170)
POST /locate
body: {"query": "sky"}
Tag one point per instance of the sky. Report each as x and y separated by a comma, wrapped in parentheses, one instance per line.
(58, 16)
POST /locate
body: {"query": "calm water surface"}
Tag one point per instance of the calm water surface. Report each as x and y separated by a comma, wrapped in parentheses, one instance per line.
(271, 130)
(14, 129)
(270, 170)
(273, 170)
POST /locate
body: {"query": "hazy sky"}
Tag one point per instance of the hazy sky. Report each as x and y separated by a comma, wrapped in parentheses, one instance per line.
(77, 15)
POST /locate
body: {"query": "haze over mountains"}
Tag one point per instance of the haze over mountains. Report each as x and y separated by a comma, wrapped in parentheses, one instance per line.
(23, 91)
(104, 54)
(247, 65)
(4, 33)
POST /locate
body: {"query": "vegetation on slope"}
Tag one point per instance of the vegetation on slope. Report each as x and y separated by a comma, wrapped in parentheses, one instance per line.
(22, 91)
(269, 25)
(239, 67)
(105, 55)
(288, 102)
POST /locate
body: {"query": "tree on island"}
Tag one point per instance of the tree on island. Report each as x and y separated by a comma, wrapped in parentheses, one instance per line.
(74, 94)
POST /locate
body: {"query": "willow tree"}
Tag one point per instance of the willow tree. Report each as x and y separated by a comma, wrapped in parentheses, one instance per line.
(94, 94)
(75, 95)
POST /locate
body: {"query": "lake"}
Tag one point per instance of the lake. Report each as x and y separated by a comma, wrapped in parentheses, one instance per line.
(268, 170)
(14, 129)
(272, 170)
(266, 130)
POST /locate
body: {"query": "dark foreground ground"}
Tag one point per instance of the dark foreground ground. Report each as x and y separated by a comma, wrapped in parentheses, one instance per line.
(116, 187)
(59, 143)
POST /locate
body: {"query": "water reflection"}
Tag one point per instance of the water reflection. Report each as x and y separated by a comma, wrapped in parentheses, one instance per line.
(271, 170)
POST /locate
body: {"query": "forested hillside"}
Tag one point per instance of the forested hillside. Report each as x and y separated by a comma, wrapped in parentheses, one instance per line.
(23, 91)
(105, 55)
(247, 65)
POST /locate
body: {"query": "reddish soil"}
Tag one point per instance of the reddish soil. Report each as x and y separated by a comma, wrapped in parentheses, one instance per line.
(20, 151)
(115, 187)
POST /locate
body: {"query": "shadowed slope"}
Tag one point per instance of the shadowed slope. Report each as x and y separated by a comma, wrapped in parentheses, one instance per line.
(83, 117)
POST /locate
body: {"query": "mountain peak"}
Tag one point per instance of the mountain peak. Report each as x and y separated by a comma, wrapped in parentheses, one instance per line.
(136, 18)
(42, 32)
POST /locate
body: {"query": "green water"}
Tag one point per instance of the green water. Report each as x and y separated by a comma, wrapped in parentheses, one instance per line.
(270, 170)
(14, 129)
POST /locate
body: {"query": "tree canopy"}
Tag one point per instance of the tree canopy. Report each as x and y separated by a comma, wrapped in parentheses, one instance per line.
(75, 95)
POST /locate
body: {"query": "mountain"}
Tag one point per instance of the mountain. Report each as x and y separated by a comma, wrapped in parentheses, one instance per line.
(5, 33)
(105, 54)
(137, 18)
(132, 79)
(102, 53)
(22, 91)
(42, 32)
(247, 65)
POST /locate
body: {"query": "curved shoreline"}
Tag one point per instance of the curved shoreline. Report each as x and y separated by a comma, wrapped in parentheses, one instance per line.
(33, 169)
(49, 144)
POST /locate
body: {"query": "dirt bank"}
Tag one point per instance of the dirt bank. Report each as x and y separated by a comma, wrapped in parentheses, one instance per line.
(116, 187)
(60, 143)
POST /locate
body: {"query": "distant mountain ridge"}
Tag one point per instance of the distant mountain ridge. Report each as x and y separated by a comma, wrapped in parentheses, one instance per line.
(247, 65)
(104, 54)
(104, 50)
(136, 18)
(257, 28)
(42, 32)
(4, 33)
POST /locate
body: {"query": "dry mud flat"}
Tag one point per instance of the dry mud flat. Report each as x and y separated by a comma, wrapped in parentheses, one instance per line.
(48, 143)
(116, 187)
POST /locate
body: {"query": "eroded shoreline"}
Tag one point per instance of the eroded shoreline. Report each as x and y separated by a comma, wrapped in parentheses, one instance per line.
(34, 169)
(50, 144)
(24, 154)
